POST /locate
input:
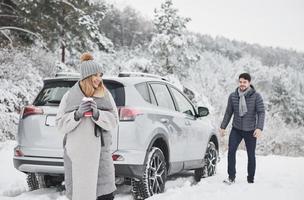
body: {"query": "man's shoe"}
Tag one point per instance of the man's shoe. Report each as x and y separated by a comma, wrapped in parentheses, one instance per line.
(229, 181)
(250, 179)
(106, 197)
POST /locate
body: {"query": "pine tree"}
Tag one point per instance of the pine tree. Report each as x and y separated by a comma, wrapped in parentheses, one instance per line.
(168, 45)
(167, 21)
(126, 28)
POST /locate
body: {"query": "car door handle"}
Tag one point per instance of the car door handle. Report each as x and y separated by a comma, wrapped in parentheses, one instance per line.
(164, 120)
(187, 123)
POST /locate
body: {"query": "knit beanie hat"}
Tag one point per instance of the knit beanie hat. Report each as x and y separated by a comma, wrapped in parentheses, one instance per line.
(88, 67)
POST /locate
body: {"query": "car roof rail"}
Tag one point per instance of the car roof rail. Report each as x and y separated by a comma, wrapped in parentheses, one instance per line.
(140, 74)
(67, 74)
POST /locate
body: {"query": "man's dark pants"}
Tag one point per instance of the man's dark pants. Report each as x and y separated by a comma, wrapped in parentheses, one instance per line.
(235, 138)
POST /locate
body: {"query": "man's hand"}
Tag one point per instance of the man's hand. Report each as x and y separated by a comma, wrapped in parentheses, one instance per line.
(222, 132)
(257, 133)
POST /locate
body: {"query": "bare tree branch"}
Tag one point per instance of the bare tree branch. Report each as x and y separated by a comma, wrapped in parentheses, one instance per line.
(19, 29)
(12, 16)
(7, 5)
(67, 3)
(23, 30)
(10, 40)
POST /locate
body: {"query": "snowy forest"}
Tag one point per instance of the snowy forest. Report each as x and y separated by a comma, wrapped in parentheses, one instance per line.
(39, 38)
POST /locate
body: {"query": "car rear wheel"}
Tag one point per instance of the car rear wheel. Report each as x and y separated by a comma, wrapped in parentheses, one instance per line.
(210, 160)
(32, 181)
(154, 178)
(37, 181)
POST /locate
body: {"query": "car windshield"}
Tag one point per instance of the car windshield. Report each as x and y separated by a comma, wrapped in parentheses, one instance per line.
(52, 92)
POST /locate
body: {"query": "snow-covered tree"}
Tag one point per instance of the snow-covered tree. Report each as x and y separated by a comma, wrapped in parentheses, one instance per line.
(169, 44)
(167, 21)
(126, 28)
(64, 24)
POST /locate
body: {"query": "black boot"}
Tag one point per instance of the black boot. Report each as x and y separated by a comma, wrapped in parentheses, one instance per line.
(106, 197)
(250, 179)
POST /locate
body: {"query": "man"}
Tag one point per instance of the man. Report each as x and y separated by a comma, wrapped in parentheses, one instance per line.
(248, 121)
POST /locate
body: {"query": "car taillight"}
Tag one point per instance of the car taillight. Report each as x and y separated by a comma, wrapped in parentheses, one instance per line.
(18, 152)
(117, 157)
(128, 114)
(31, 110)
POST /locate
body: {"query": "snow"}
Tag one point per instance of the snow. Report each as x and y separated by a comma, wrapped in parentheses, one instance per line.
(12, 182)
(277, 177)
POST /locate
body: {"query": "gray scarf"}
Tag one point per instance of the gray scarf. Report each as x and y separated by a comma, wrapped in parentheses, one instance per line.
(75, 97)
(242, 102)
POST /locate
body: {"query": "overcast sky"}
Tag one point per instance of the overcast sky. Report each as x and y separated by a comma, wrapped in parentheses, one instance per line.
(267, 22)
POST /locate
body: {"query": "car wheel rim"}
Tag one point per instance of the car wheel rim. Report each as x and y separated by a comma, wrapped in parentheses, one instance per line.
(156, 175)
(211, 160)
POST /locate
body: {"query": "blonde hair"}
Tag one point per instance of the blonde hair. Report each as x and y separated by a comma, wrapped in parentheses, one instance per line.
(88, 89)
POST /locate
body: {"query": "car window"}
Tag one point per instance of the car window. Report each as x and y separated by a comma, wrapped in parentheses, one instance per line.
(143, 91)
(152, 96)
(183, 104)
(52, 92)
(162, 96)
(117, 90)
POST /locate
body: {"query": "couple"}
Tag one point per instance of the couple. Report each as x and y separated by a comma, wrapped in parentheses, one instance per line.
(87, 124)
(87, 117)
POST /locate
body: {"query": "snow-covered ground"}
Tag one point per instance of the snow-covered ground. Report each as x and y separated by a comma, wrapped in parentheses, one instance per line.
(277, 177)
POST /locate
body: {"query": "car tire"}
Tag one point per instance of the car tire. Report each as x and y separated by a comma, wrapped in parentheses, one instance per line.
(32, 181)
(37, 181)
(154, 178)
(210, 160)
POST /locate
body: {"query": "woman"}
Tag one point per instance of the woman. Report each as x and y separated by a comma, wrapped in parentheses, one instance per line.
(87, 116)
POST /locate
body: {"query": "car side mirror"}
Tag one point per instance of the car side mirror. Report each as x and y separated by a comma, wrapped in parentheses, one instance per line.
(202, 111)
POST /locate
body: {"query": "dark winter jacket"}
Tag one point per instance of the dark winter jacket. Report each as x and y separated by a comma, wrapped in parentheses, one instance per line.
(255, 116)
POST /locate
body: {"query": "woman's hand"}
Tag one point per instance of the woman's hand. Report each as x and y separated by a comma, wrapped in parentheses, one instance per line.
(94, 110)
(85, 106)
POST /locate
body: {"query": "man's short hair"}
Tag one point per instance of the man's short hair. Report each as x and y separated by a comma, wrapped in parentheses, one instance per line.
(245, 76)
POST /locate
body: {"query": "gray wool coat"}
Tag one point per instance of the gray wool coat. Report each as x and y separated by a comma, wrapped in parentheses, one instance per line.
(89, 169)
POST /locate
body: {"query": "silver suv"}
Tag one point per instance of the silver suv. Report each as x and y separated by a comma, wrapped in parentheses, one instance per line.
(160, 133)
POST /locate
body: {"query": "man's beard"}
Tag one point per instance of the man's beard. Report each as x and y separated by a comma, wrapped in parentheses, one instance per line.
(243, 88)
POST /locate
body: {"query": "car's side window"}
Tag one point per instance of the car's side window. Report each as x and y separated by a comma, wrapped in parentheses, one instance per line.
(143, 91)
(152, 96)
(183, 104)
(162, 96)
